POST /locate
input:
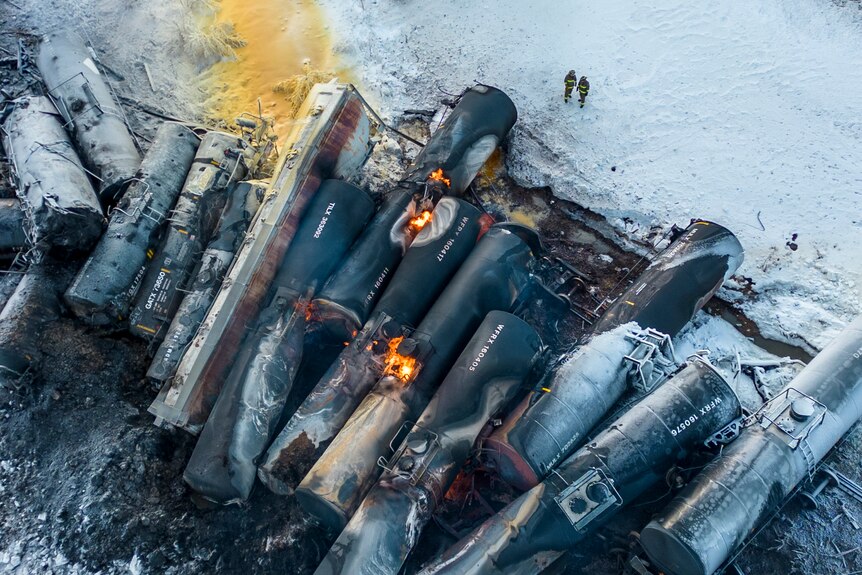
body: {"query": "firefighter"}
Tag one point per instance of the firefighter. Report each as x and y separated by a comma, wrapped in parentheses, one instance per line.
(570, 85)
(583, 89)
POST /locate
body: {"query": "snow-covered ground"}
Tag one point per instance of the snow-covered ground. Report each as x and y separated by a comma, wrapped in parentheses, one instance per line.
(746, 112)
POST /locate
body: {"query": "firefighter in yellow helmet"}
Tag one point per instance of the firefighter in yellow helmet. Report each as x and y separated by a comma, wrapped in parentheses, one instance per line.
(583, 89)
(570, 80)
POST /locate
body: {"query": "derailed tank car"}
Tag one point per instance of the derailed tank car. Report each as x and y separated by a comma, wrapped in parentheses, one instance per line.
(108, 281)
(223, 465)
(496, 276)
(243, 200)
(430, 262)
(218, 162)
(624, 346)
(345, 302)
(631, 454)
(329, 140)
(91, 112)
(712, 516)
(54, 188)
(487, 375)
(468, 136)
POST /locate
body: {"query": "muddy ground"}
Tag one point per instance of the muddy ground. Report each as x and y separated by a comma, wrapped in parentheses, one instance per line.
(89, 485)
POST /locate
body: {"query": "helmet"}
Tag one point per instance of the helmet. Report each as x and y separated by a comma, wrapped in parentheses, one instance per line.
(583, 77)
(572, 73)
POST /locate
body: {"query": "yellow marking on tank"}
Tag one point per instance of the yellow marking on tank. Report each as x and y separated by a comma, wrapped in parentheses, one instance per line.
(546, 389)
(630, 302)
(166, 270)
(145, 328)
(183, 232)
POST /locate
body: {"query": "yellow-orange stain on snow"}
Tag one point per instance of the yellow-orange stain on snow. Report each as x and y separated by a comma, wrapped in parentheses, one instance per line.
(280, 36)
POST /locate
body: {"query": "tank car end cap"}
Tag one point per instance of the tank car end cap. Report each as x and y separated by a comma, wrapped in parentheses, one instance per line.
(509, 465)
(325, 513)
(670, 554)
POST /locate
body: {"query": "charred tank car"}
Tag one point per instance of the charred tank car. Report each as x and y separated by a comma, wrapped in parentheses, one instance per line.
(708, 520)
(430, 262)
(625, 346)
(488, 374)
(108, 281)
(496, 276)
(217, 163)
(585, 491)
(223, 465)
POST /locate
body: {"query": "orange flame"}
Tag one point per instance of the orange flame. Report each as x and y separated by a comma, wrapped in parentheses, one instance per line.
(437, 175)
(419, 221)
(398, 365)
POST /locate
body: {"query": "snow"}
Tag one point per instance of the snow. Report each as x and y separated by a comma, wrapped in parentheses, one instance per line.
(742, 112)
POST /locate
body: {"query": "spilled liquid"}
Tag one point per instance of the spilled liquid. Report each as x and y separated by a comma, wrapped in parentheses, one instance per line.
(280, 35)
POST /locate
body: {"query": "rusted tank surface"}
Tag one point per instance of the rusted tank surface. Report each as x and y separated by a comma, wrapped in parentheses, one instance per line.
(330, 140)
(52, 184)
(91, 112)
(224, 463)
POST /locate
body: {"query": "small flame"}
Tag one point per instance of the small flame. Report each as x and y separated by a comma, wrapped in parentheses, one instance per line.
(437, 175)
(398, 365)
(419, 221)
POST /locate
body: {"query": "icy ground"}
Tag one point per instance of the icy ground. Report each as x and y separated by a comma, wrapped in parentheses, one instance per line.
(748, 113)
